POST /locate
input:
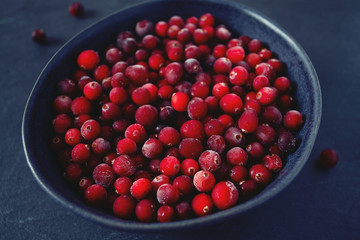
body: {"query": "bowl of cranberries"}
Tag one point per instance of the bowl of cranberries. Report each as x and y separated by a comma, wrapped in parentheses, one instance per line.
(170, 115)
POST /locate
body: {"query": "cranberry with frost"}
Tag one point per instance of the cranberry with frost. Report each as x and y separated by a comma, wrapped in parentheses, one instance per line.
(126, 146)
(273, 162)
(167, 194)
(124, 166)
(146, 115)
(204, 181)
(190, 148)
(95, 194)
(170, 166)
(197, 108)
(265, 134)
(152, 148)
(136, 132)
(80, 106)
(237, 156)
(141, 188)
(122, 185)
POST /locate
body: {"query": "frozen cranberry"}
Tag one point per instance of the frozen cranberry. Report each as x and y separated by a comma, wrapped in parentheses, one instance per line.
(190, 148)
(210, 160)
(179, 101)
(222, 65)
(197, 108)
(110, 111)
(103, 175)
(224, 195)
(124, 207)
(141, 188)
(222, 33)
(216, 143)
(95, 194)
(192, 66)
(167, 194)
(204, 181)
(122, 185)
(124, 166)
(144, 27)
(90, 130)
(81, 105)
(80, 153)
(202, 204)
(169, 137)
(234, 137)
(173, 72)
(231, 103)
(260, 174)
(152, 148)
(113, 55)
(287, 142)
(273, 162)
(39, 36)
(126, 146)
(136, 132)
(119, 67)
(100, 146)
(88, 59)
(293, 120)
(146, 115)
(170, 166)
(183, 86)
(328, 158)
(266, 70)
(237, 156)
(165, 213)
(265, 54)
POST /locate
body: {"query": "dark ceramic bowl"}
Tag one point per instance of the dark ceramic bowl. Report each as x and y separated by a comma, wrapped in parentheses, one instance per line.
(241, 20)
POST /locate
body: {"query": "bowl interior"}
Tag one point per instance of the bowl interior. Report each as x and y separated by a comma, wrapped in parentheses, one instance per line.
(240, 20)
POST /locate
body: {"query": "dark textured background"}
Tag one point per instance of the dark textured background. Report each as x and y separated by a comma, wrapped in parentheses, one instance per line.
(316, 205)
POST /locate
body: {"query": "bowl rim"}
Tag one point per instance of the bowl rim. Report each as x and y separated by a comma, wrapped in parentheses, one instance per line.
(119, 224)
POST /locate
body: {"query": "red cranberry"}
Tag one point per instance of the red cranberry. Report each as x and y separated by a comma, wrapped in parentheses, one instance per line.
(254, 45)
(238, 75)
(95, 194)
(146, 115)
(328, 158)
(84, 183)
(293, 120)
(170, 166)
(272, 116)
(253, 59)
(192, 66)
(137, 74)
(183, 210)
(100, 146)
(118, 95)
(282, 84)
(202, 204)
(81, 105)
(88, 59)
(266, 95)
(189, 167)
(179, 101)
(248, 189)
(190, 148)
(141, 96)
(204, 181)
(165, 213)
(222, 65)
(248, 121)
(193, 129)
(200, 36)
(144, 27)
(146, 210)
(74, 172)
(110, 111)
(255, 150)
(214, 127)
(276, 64)
(220, 89)
(124, 166)
(39, 36)
(235, 54)
(62, 104)
(119, 67)
(80, 153)
(136, 132)
(226, 120)
(259, 82)
(173, 72)
(160, 180)
(222, 33)
(219, 50)
(273, 162)
(265, 134)
(260, 174)
(231, 103)
(124, 207)
(152, 148)
(67, 87)
(212, 103)
(224, 195)
(141, 188)
(76, 9)
(287, 142)
(184, 184)
(234, 137)
(238, 174)
(167, 194)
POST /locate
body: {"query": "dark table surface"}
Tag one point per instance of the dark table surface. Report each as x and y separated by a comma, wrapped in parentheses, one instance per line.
(316, 205)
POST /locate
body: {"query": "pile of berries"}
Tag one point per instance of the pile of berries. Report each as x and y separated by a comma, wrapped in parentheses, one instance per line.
(177, 120)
